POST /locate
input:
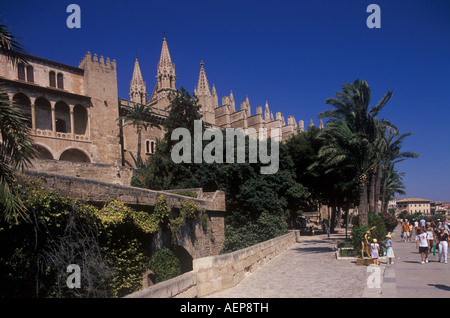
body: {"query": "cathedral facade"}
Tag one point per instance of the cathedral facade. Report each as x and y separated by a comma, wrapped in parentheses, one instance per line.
(73, 111)
(219, 115)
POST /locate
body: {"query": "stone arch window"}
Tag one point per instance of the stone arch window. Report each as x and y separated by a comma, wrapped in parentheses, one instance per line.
(80, 115)
(52, 79)
(23, 103)
(21, 72)
(150, 146)
(74, 154)
(60, 80)
(43, 114)
(62, 117)
(30, 74)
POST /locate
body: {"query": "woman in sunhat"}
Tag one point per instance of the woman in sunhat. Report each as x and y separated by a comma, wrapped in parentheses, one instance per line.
(389, 250)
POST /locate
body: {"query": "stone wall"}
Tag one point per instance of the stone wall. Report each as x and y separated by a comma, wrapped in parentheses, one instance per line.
(215, 273)
(94, 191)
(100, 172)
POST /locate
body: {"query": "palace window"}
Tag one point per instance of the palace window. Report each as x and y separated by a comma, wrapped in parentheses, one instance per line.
(52, 79)
(30, 74)
(60, 80)
(150, 146)
(60, 125)
(21, 72)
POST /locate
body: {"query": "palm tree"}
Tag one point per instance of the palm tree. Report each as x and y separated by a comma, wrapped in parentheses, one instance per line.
(16, 146)
(12, 49)
(139, 116)
(392, 184)
(353, 135)
(392, 155)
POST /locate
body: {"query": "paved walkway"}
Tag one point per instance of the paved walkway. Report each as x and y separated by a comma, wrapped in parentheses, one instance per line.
(310, 269)
(408, 278)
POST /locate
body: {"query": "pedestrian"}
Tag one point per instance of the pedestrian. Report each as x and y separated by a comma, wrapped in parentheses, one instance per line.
(416, 225)
(422, 222)
(389, 250)
(431, 237)
(374, 251)
(443, 224)
(405, 231)
(443, 239)
(410, 232)
(423, 245)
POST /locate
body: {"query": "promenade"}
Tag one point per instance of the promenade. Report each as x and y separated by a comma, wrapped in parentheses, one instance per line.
(309, 269)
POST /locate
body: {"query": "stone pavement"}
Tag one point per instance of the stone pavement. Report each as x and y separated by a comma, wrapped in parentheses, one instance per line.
(309, 269)
(408, 278)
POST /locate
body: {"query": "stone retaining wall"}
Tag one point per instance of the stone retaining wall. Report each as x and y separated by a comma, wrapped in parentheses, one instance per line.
(95, 171)
(215, 273)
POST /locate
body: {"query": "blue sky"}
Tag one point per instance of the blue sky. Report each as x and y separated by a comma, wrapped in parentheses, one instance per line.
(294, 54)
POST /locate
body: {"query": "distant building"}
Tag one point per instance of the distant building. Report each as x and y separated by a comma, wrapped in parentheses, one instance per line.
(414, 205)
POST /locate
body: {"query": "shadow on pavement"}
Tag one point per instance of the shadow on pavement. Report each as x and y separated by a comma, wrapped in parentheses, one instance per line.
(439, 286)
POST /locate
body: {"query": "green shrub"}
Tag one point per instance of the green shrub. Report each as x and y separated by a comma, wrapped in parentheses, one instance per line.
(189, 209)
(390, 221)
(378, 233)
(162, 209)
(165, 265)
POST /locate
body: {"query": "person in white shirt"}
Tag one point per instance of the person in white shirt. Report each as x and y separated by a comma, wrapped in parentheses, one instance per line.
(443, 239)
(422, 244)
(422, 222)
(416, 226)
(374, 251)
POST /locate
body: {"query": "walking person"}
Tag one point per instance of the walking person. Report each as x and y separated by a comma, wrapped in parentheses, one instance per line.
(442, 238)
(422, 222)
(374, 251)
(389, 250)
(423, 245)
(405, 231)
(431, 235)
(416, 227)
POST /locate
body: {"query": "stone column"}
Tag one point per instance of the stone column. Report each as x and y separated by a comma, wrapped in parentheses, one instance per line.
(72, 121)
(33, 116)
(52, 104)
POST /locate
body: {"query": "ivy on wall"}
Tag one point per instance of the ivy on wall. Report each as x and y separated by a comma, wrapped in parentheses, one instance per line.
(111, 244)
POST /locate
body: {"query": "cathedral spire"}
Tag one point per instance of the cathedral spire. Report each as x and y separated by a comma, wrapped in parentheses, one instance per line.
(203, 85)
(166, 69)
(165, 78)
(138, 92)
(165, 60)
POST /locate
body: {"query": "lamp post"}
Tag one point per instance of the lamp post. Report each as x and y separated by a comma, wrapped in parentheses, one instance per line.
(346, 216)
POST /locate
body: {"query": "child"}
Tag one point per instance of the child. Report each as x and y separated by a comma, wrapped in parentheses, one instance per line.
(389, 250)
(374, 250)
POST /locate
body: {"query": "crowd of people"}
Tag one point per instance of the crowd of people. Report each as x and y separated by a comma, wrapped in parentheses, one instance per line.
(429, 236)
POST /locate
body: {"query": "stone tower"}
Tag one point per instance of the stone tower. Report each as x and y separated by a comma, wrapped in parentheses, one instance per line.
(207, 100)
(100, 80)
(165, 79)
(138, 91)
